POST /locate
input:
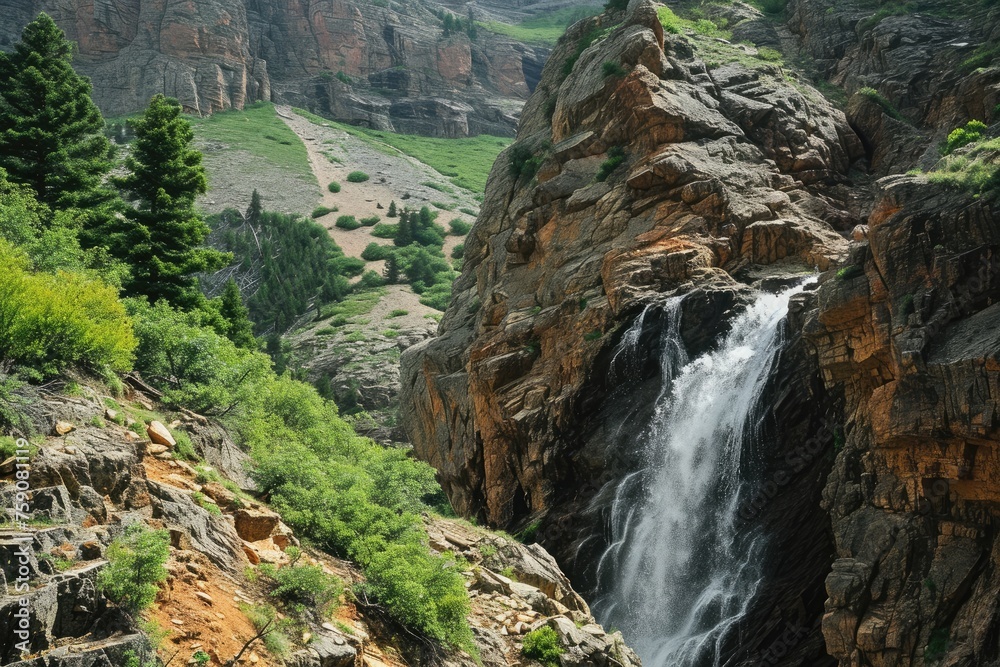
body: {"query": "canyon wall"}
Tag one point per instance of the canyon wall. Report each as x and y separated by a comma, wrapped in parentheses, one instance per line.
(738, 175)
(382, 66)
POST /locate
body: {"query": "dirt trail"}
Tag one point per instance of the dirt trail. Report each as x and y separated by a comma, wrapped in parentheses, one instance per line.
(393, 178)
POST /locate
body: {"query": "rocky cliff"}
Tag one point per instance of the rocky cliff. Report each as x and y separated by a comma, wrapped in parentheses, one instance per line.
(385, 65)
(697, 167)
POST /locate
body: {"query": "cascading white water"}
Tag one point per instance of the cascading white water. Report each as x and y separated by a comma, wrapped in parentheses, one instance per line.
(678, 575)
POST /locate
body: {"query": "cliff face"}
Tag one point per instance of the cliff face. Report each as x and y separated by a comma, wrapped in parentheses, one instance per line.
(734, 175)
(388, 67)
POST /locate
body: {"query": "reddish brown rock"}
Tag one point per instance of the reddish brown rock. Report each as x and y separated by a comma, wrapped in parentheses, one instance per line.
(255, 524)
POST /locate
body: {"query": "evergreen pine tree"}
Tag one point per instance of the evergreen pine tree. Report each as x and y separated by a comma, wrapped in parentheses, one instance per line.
(51, 132)
(449, 23)
(164, 231)
(255, 209)
(232, 308)
(404, 236)
(391, 273)
(426, 219)
(392, 213)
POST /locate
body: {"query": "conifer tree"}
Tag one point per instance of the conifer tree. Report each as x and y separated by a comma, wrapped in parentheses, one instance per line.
(392, 213)
(237, 315)
(164, 232)
(256, 208)
(391, 274)
(51, 132)
(426, 219)
(404, 235)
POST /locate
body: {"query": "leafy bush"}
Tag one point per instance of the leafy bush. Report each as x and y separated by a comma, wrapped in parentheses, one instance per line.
(886, 105)
(370, 221)
(50, 322)
(320, 211)
(347, 222)
(209, 372)
(616, 155)
(304, 586)
(385, 230)
(358, 500)
(348, 266)
(398, 312)
(375, 252)
(458, 252)
(850, 271)
(523, 162)
(437, 296)
(135, 567)
(333, 187)
(543, 645)
(612, 69)
(459, 227)
(671, 22)
(963, 136)
(357, 177)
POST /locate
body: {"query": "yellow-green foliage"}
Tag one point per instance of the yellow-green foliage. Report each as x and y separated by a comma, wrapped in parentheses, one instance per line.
(51, 321)
(976, 169)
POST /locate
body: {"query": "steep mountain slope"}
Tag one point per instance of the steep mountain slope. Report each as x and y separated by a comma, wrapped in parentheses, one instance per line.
(386, 65)
(680, 164)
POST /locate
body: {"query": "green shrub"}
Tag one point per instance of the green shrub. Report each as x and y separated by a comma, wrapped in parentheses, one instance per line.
(333, 187)
(357, 177)
(767, 54)
(963, 136)
(184, 449)
(349, 266)
(459, 227)
(347, 222)
(850, 271)
(671, 22)
(50, 322)
(937, 645)
(474, 213)
(135, 567)
(616, 155)
(356, 500)
(370, 221)
(375, 252)
(458, 252)
(304, 586)
(886, 105)
(201, 658)
(210, 373)
(773, 6)
(543, 645)
(385, 230)
(398, 312)
(523, 162)
(320, 211)
(437, 296)
(612, 69)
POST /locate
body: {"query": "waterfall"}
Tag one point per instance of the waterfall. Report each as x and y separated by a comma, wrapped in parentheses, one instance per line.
(678, 574)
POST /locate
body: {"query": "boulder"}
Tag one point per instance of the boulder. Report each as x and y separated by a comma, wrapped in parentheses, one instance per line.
(255, 524)
(159, 434)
